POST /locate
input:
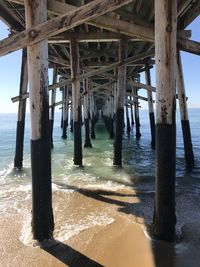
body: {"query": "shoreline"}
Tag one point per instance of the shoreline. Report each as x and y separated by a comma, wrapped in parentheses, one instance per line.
(99, 227)
(107, 239)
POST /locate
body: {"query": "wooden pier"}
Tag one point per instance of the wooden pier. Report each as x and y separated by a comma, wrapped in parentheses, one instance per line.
(98, 50)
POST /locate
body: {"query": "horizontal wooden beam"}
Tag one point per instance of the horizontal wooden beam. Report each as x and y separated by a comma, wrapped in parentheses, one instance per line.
(9, 18)
(92, 73)
(192, 13)
(59, 24)
(189, 46)
(104, 69)
(101, 86)
(86, 37)
(60, 103)
(59, 61)
(136, 96)
(100, 36)
(20, 2)
(139, 32)
(142, 86)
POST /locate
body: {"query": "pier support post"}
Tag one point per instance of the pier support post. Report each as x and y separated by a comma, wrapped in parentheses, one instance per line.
(86, 114)
(92, 112)
(189, 156)
(52, 111)
(150, 105)
(121, 87)
(61, 121)
(165, 55)
(75, 70)
(137, 116)
(65, 112)
(128, 125)
(18, 160)
(111, 115)
(132, 120)
(42, 214)
(71, 118)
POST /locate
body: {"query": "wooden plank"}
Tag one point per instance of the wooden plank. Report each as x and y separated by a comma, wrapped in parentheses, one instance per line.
(59, 24)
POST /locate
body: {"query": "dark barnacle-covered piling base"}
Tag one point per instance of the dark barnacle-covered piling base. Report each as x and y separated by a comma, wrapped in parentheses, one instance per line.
(98, 51)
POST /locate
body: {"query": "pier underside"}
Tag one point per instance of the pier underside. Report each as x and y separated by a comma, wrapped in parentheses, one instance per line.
(97, 51)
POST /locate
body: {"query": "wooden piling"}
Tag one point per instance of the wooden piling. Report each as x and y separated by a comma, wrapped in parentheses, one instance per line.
(132, 119)
(65, 112)
(52, 111)
(111, 115)
(92, 112)
(128, 125)
(75, 70)
(61, 121)
(187, 140)
(136, 112)
(42, 215)
(165, 54)
(150, 105)
(121, 87)
(18, 160)
(86, 114)
(71, 119)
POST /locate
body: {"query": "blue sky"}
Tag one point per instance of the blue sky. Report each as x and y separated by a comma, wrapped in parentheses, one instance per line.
(10, 67)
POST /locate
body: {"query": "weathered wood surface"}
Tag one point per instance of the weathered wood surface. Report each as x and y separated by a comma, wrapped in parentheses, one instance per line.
(59, 24)
(52, 109)
(75, 70)
(150, 105)
(42, 214)
(189, 16)
(86, 113)
(18, 160)
(164, 220)
(142, 85)
(93, 73)
(101, 37)
(189, 155)
(120, 100)
(65, 111)
(77, 17)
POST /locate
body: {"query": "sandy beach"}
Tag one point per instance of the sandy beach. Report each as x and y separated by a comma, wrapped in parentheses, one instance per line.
(98, 227)
(114, 240)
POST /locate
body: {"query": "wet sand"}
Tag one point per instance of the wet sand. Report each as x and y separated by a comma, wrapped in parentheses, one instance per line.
(115, 240)
(94, 228)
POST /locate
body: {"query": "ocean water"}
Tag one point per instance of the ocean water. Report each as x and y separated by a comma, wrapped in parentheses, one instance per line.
(98, 173)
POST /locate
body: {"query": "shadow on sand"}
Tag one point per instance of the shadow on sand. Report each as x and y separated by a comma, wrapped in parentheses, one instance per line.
(163, 252)
(67, 255)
